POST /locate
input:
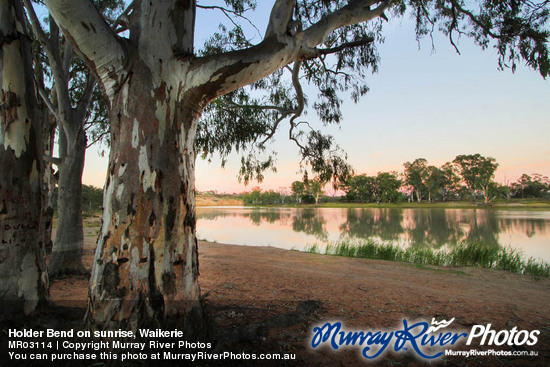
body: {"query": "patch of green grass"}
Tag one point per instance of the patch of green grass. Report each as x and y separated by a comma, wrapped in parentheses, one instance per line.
(465, 254)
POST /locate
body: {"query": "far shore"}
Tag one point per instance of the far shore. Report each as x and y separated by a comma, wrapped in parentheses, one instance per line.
(523, 204)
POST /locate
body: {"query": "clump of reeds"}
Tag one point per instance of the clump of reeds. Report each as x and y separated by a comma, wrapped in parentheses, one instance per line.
(464, 254)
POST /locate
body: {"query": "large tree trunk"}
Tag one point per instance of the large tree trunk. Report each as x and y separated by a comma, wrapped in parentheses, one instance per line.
(66, 257)
(146, 264)
(23, 278)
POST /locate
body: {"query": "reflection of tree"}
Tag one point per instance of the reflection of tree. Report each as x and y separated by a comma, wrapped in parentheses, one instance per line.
(421, 227)
(530, 226)
(432, 228)
(311, 222)
(385, 224)
(484, 229)
(257, 216)
(213, 213)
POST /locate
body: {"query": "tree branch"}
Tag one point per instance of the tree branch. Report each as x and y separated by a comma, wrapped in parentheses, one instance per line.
(260, 107)
(357, 11)
(53, 160)
(281, 14)
(216, 75)
(474, 19)
(37, 28)
(361, 42)
(123, 20)
(98, 138)
(46, 99)
(84, 102)
(298, 89)
(67, 58)
(227, 13)
(94, 40)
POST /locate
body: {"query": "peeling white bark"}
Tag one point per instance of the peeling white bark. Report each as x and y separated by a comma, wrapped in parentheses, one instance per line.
(16, 136)
(281, 14)
(148, 176)
(135, 138)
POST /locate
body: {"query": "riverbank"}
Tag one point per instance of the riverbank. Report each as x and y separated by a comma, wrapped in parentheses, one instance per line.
(203, 200)
(244, 286)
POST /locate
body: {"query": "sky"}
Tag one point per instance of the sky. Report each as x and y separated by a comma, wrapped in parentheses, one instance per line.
(422, 104)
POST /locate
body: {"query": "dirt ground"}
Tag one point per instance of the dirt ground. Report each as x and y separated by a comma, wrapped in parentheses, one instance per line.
(245, 286)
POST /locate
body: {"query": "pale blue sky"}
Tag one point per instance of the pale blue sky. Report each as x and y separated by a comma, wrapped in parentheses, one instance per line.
(421, 104)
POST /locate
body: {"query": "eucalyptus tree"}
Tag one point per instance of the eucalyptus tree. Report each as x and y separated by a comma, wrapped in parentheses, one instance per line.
(451, 180)
(23, 276)
(157, 86)
(416, 174)
(386, 187)
(359, 188)
(315, 188)
(298, 189)
(71, 101)
(435, 181)
(477, 172)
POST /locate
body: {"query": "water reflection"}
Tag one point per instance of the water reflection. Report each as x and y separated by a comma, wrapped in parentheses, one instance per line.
(298, 227)
(384, 224)
(310, 222)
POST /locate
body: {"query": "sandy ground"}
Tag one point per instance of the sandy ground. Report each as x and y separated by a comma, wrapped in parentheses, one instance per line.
(245, 286)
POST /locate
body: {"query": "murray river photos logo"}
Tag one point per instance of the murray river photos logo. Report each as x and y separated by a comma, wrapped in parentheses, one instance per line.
(427, 341)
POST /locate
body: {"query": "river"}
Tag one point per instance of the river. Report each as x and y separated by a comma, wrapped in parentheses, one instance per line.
(298, 228)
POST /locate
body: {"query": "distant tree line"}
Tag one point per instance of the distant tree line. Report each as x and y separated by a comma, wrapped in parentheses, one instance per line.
(302, 192)
(467, 177)
(257, 197)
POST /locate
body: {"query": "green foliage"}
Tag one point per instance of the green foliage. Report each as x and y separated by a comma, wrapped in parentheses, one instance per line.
(477, 172)
(308, 191)
(92, 198)
(359, 188)
(386, 186)
(535, 186)
(416, 174)
(257, 197)
(465, 254)
(368, 189)
(298, 188)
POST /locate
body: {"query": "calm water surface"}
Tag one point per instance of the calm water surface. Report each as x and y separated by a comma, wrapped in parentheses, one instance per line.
(297, 228)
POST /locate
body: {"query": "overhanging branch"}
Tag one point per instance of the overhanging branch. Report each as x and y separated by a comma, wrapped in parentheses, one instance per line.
(355, 12)
(344, 46)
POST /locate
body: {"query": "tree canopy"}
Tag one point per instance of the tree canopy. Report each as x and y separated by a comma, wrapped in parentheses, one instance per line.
(246, 119)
